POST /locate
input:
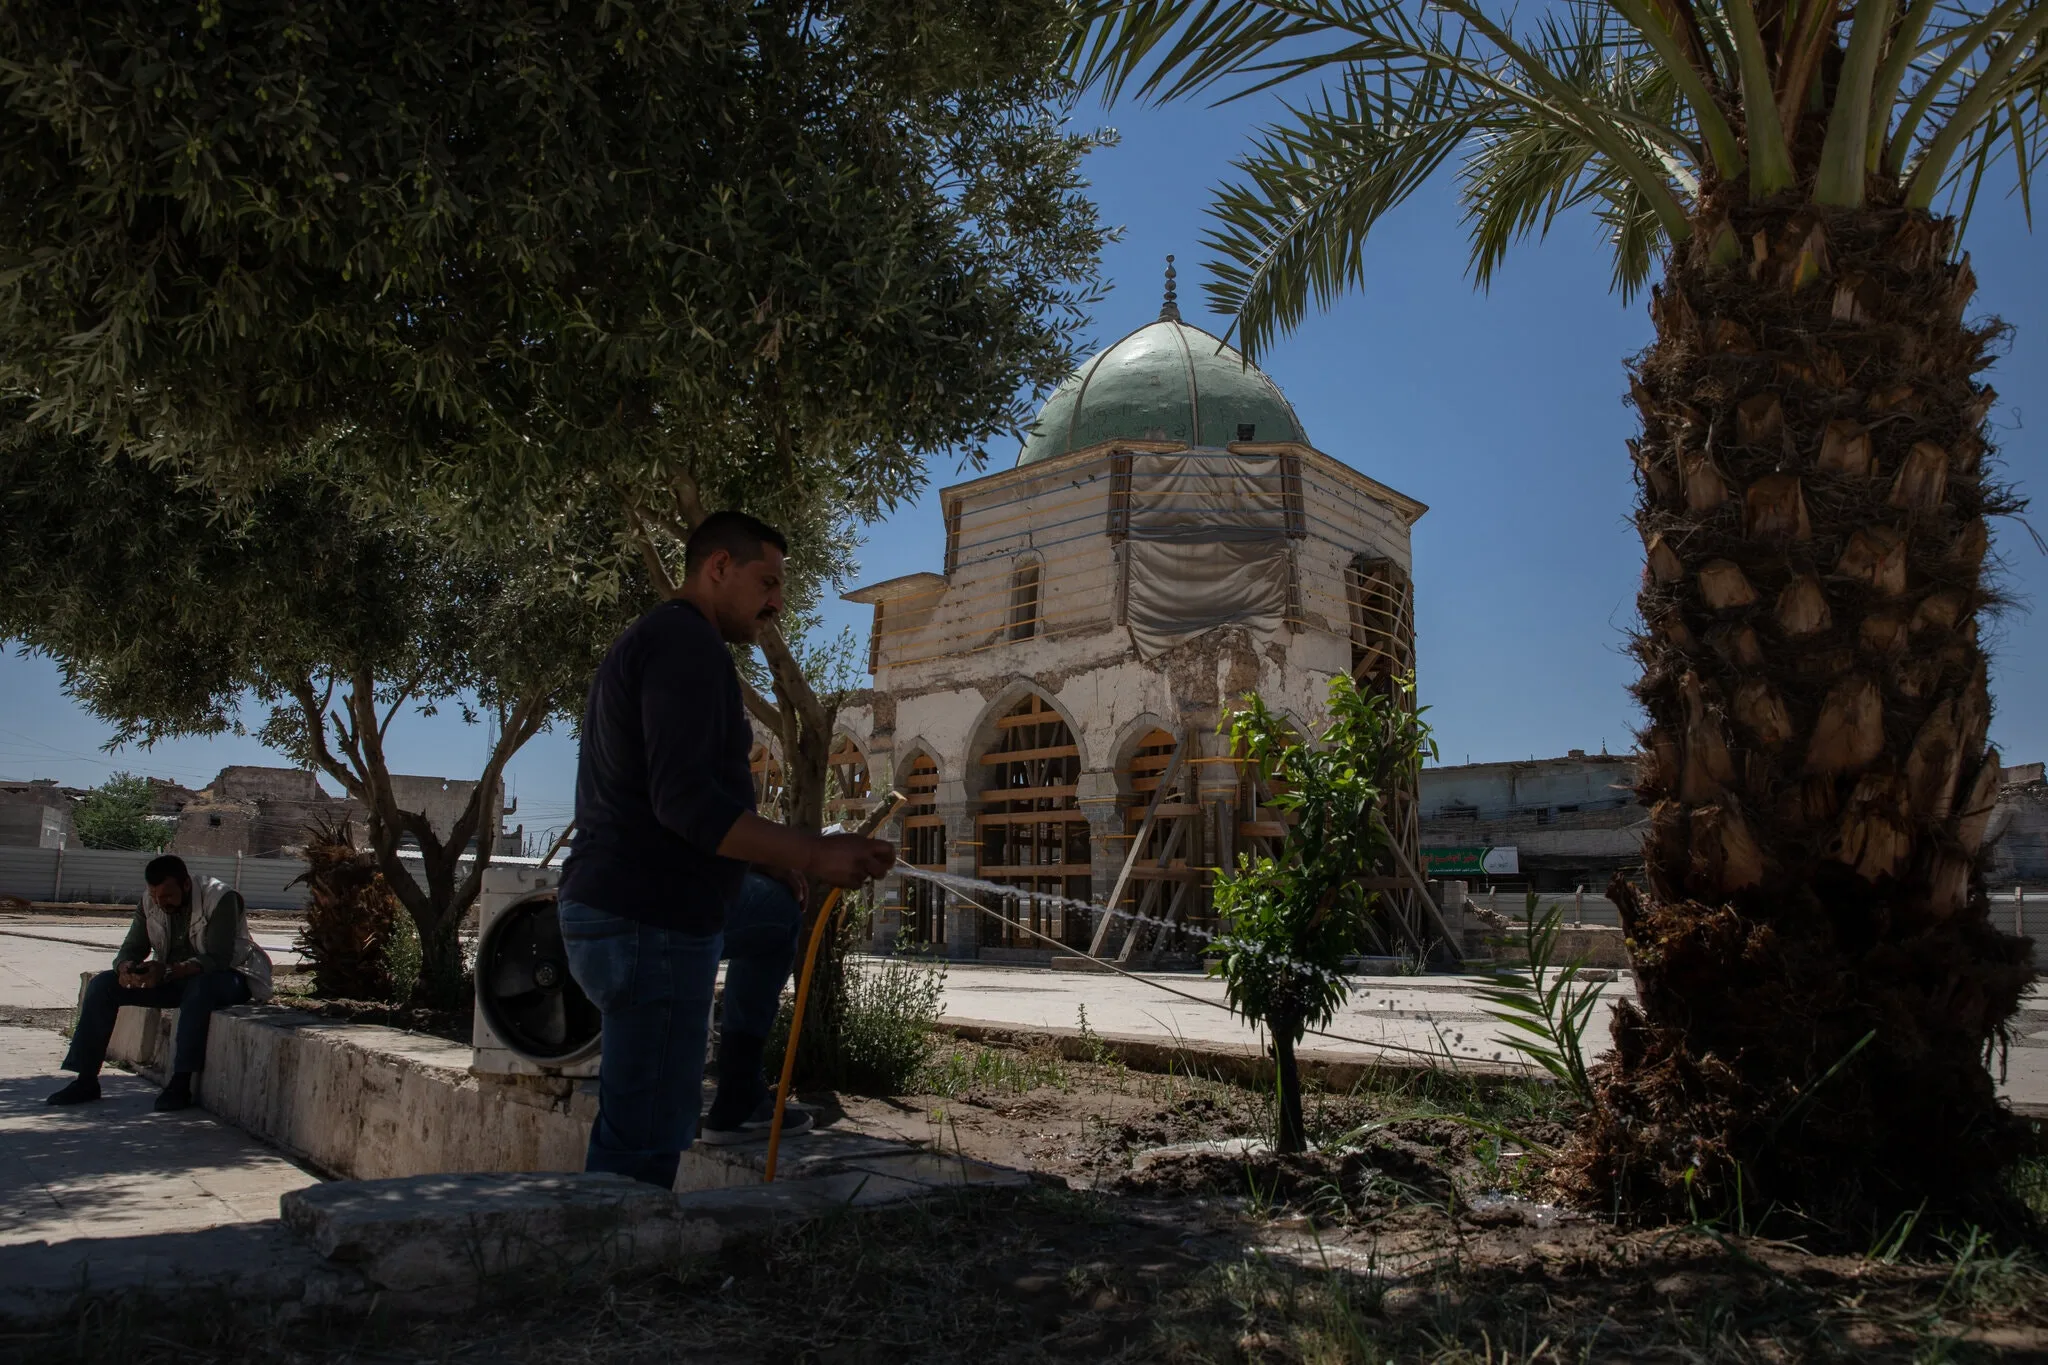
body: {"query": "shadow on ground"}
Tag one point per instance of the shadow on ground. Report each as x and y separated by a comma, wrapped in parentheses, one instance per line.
(1052, 1274)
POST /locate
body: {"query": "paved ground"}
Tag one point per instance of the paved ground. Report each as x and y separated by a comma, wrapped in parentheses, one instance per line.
(42, 955)
(80, 1178)
(115, 1169)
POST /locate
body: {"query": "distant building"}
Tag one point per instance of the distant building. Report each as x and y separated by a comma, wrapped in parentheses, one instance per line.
(37, 814)
(1556, 823)
(268, 812)
(1550, 823)
(1048, 696)
(2016, 841)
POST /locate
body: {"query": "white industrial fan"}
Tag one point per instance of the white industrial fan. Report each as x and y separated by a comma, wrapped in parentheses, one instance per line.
(531, 1016)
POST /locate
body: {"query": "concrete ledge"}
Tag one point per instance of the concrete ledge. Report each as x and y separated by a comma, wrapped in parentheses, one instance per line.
(457, 1231)
(260, 1265)
(363, 1101)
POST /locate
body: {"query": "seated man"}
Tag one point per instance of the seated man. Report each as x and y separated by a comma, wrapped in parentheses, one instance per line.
(188, 949)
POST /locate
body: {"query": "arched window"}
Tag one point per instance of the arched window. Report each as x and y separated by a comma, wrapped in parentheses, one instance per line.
(767, 770)
(924, 845)
(848, 786)
(1034, 835)
(1024, 605)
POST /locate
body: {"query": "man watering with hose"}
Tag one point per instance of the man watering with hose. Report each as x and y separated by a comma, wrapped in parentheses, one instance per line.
(658, 884)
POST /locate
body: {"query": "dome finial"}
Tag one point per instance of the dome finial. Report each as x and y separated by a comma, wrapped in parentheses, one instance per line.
(1169, 311)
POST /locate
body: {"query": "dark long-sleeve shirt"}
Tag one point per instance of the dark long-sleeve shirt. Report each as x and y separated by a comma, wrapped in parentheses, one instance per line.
(661, 776)
(217, 954)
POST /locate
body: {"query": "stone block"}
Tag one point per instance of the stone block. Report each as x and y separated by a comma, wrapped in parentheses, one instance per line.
(803, 1156)
(456, 1232)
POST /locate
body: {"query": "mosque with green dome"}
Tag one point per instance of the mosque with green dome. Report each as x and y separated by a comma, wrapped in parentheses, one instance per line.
(1168, 540)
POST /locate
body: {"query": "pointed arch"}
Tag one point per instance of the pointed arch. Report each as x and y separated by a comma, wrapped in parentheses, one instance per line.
(988, 730)
(1032, 832)
(849, 785)
(923, 845)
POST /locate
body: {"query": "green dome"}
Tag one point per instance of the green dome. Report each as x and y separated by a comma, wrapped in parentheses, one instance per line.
(1167, 381)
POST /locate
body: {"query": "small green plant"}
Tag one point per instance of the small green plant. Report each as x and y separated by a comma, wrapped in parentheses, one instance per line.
(1099, 1052)
(1547, 1007)
(351, 936)
(402, 956)
(1292, 920)
(965, 1070)
(885, 1018)
(886, 1030)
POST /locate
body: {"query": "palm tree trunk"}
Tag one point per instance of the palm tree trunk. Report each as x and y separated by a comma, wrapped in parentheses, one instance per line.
(1820, 982)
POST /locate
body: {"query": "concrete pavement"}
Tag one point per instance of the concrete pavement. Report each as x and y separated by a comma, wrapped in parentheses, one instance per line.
(115, 1169)
(42, 955)
(1393, 1019)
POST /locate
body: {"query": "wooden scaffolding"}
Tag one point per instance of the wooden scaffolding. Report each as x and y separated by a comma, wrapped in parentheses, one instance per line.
(1032, 832)
(924, 846)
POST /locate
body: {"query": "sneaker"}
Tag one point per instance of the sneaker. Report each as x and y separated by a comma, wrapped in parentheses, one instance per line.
(84, 1090)
(796, 1118)
(177, 1095)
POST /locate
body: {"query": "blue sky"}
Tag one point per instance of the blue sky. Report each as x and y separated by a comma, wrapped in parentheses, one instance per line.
(1503, 411)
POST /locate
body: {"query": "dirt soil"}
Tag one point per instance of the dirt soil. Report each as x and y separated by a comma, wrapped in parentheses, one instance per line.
(455, 1025)
(1429, 1201)
(1161, 1228)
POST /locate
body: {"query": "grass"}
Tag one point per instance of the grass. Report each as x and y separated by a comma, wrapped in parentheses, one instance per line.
(966, 1069)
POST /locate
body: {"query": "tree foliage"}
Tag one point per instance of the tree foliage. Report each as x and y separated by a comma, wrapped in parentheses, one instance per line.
(116, 814)
(1292, 920)
(479, 251)
(645, 259)
(295, 615)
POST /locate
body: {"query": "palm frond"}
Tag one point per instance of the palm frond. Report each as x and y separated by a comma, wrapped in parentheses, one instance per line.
(2010, 68)
(1295, 227)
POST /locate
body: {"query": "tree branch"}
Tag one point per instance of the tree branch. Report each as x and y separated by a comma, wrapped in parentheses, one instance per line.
(761, 708)
(657, 572)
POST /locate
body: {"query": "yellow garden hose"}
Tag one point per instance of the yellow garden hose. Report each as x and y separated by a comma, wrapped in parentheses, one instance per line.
(825, 917)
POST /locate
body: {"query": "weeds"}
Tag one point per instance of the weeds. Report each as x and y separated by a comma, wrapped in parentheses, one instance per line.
(1100, 1052)
(1550, 1006)
(959, 1071)
(886, 1020)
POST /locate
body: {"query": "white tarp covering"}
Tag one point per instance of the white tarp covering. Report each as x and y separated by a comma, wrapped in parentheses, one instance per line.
(1207, 547)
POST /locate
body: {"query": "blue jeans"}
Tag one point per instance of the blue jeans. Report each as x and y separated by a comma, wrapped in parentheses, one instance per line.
(653, 988)
(195, 999)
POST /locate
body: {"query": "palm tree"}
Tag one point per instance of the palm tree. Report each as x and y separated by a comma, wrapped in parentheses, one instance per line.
(1820, 983)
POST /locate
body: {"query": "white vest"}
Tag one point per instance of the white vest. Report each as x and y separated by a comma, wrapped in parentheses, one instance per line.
(246, 958)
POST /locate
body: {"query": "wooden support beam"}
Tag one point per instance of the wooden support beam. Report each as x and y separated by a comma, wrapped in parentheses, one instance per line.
(1173, 838)
(1421, 886)
(1025, 755)
(1116, 892)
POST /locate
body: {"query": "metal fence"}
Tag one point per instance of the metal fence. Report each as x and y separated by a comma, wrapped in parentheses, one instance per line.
(110, 876)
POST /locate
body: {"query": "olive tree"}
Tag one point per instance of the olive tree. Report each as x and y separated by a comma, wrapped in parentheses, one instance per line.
(295, 615)
(658, 256)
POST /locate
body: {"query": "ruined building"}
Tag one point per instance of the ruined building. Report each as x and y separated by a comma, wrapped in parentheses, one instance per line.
(1550, 824)
(1168, 541)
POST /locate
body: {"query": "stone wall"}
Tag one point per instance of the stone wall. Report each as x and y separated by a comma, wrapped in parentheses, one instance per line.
(365, 1102)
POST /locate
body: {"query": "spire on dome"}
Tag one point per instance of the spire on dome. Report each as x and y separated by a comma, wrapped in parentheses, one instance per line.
(1169, 311)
